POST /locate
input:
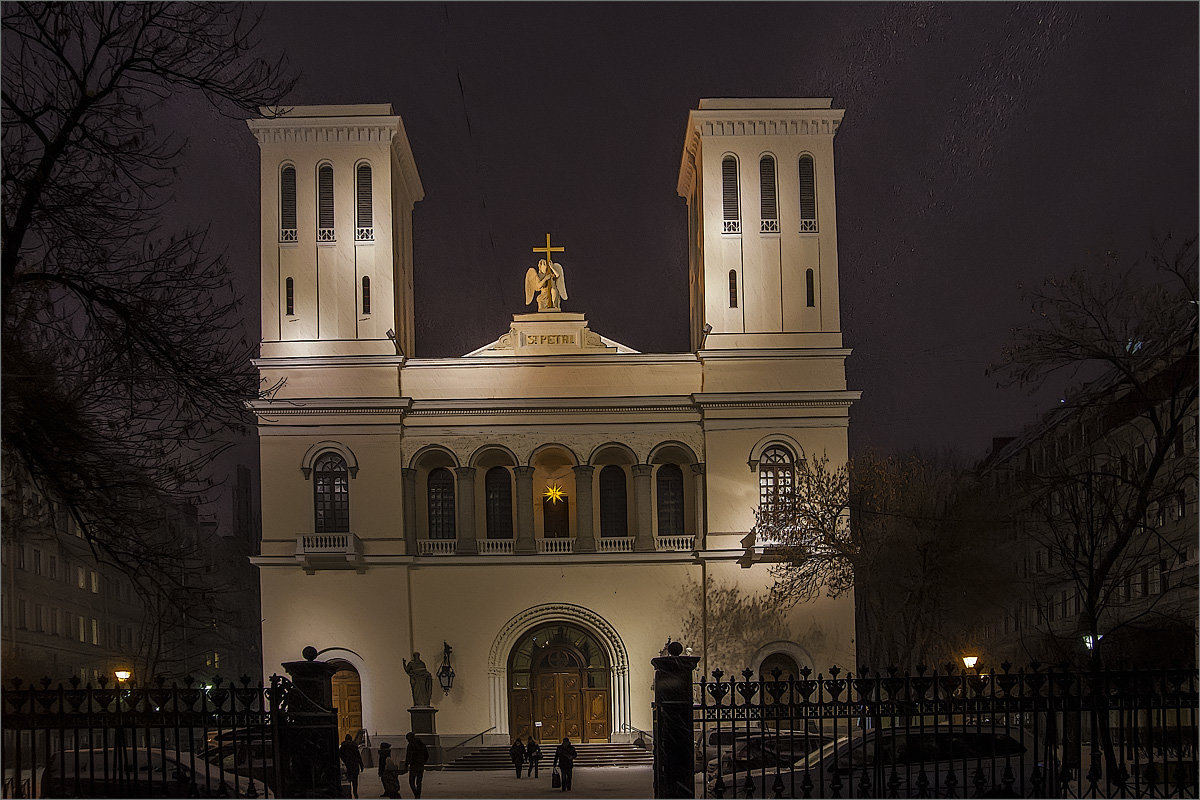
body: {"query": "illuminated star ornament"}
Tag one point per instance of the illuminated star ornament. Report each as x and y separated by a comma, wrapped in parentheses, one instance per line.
(554, 493)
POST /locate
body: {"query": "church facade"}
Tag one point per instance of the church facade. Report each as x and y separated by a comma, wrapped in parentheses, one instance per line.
(552, 505)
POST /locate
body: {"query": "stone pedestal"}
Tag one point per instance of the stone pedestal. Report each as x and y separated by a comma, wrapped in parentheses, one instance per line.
(547, 333)
(424, 727)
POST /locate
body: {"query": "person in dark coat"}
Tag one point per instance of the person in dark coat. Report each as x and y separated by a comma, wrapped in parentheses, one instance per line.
(564, 759)
(533, 754)
(517, 754)
(352, 760)
(416, 759)
(389, 772)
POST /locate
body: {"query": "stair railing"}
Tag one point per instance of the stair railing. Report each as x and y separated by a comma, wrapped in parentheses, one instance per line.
(447, 757)
(645, 736)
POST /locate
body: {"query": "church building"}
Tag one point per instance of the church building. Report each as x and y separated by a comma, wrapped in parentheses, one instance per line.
(554, 504)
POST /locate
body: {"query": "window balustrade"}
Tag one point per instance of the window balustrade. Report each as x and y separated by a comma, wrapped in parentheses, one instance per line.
(495, 547)
(615, 544)
(556, 545)
(436, 547)
(673, 543)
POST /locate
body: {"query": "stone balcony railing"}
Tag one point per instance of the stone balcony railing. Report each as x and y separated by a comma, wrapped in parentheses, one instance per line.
(673, 543)
(494, 547)
(614, 544)
(556, 545)
(436, 547)
(317, 551)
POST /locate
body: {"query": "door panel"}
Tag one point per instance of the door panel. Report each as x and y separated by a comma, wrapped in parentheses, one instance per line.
(549, 711)
(596, 715)
(347, 699)
(522, 713)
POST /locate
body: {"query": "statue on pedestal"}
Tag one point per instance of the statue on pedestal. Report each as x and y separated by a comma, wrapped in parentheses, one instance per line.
(421, 680)
(546, 280)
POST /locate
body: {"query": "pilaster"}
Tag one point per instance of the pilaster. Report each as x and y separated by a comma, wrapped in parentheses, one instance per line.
(464, 500)
(644, 535)
(409, 478)
(585, 540)
(524, 539)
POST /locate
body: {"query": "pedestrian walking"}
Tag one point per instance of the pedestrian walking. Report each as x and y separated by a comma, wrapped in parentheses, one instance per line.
(352, 760)
(533, 754)
(389, 772)
(517, 754)
(415, 760)
(564, 758)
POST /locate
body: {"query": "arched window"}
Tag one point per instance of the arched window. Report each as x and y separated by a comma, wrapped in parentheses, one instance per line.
(810, 288)
(768, 203)
(733, 288)
(363, 219)
(670, 500)
(808, 195)
(325, 203)
(287, 203)
(729, 196)
(497, 486)
(289, 297)
(331, 493)
(366, 294)
(614, 507)
(776, 477)
(440, 499)
(786, 665)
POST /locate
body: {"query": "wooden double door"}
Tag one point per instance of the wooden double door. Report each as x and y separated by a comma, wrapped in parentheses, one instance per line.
(564, 699)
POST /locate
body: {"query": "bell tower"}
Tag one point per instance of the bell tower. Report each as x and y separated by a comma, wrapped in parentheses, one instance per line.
(757, 175)
(338, 188)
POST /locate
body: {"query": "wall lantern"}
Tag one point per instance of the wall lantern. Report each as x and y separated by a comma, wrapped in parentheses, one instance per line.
(970, 661)
(445, 673)
(123, 675)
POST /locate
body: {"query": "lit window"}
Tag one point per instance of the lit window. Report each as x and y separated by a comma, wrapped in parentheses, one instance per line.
(776, 477)
(730, 203)
(498, 503)
(366, 295)
(808, 195)
(325, 203)
(287, 204)
(289, 292)
(95, 631)
(363, 221)
(331, 487)
(768, 204)
(440, 502)
(614, 509)
(670, 500)
(810, 289)
(733, 288)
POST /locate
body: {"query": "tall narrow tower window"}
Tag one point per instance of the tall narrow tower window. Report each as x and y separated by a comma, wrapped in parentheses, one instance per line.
(331, 489)
(289, 297)
(614, 509)
(808, 195)
(776, 478)
(670, 500)
(733, 288)
(810, 289)
(287, 204)
(366, 295)
(729, 196)
(363, 221)
(768, 202)
(497, 487)
(441, 504)
(325, 203)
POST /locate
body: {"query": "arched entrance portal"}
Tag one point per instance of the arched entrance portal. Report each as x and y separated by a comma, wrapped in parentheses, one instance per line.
(347, 699)
(559, 679)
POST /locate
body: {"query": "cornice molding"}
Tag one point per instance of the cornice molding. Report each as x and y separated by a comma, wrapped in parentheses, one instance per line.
(307, 362)
(706, 400)
(327, 130)
(558, 405)
(290, 408)
(491, 362)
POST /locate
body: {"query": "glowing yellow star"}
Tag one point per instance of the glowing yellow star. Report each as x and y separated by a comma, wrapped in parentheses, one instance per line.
(554, 493)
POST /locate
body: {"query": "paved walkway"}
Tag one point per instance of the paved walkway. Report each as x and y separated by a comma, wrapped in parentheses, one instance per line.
(599, 782)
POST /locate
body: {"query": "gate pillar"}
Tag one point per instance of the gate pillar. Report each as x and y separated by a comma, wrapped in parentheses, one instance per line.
(673, 724)
(307, 743)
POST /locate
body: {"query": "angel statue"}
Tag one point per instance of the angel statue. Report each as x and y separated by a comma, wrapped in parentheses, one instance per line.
(548, 283)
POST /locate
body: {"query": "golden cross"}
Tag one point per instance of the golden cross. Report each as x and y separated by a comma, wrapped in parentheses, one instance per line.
(548, 250)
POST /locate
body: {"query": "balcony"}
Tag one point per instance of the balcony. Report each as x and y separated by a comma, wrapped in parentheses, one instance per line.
(673, 544)
(495, 547)
(556, 545)
(317, 551)
(614, 544)
(436, 547)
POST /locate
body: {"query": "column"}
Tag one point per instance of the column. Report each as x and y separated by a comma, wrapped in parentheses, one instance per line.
(644, 514)
(464, 501)
(673, 726)
(409, 478)
(701, 508)
(585, 539)
(524, 539)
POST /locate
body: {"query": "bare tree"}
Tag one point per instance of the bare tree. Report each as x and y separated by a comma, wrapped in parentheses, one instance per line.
(1104, 481)
(123, 363)
(904, 534)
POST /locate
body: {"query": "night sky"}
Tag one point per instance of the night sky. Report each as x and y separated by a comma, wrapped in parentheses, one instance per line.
(984, 146)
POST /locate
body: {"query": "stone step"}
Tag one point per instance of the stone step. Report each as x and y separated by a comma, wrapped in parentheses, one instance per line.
(599, 754)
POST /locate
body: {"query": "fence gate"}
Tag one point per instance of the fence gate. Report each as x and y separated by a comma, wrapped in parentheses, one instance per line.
(158, 740)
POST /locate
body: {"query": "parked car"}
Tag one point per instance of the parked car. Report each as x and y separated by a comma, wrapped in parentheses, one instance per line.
(133, 772)
(937, 761)
(248, 755)
(720, 741)
(767, 750)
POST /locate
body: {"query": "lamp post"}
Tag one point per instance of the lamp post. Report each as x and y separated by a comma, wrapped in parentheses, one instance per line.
(445, 673)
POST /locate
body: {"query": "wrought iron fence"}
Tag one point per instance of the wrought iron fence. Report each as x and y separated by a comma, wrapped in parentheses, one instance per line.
(156, 740)
(1033, 732)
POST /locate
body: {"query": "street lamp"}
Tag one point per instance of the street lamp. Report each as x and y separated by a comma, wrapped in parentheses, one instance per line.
(970, 661)
(445, 673)
(122, 675)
